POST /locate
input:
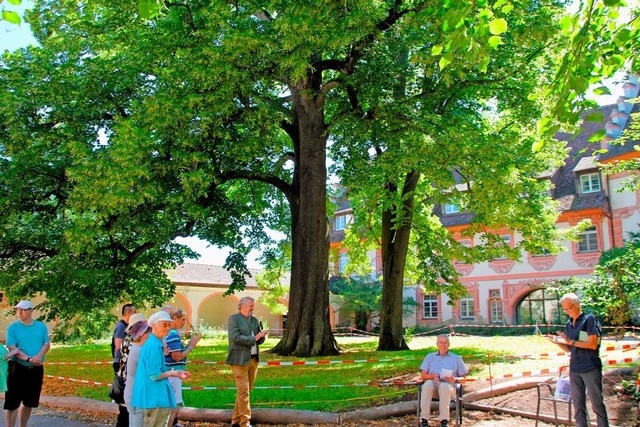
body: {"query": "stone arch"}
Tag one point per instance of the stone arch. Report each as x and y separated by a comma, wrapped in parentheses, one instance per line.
(538, 305)
(179, 300)
(215, 309)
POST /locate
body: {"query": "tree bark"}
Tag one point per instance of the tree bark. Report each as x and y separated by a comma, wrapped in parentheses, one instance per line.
(396, 229)
(308, 331)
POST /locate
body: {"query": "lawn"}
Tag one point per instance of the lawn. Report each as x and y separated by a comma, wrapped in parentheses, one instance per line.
(322, 387)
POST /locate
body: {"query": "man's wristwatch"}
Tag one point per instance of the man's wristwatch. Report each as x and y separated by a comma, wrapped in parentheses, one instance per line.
(573, 342)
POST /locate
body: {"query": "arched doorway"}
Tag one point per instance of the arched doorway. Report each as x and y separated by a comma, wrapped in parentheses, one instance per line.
(540, 306)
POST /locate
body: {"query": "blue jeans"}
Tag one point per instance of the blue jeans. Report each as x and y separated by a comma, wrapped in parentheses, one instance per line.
(591, 383)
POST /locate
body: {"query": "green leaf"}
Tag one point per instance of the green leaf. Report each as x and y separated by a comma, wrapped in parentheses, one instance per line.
(444, 61)
(602, 90)
(485, 13)
(436, 50)
(537, 146)
(507, 8)
(11, 17)
(484, 64)
(597, 116)
(598, 136)
(565, 24)
(498, 26)
(14, 2)
(495, 41)
(148, 9)
(622, 36)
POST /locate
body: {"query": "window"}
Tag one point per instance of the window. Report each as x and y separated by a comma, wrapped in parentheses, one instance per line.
(340, 222)
(467, 308)
(543, 252)
(342, 263)
(430, 307)
(495, 311)
(539, 307)
(590, 182)
(451, 209)
(495, 306)
(507, 241)
(588, 240)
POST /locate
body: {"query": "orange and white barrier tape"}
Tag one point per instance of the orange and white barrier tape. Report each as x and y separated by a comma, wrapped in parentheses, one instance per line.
(354, 361)
(536, 373)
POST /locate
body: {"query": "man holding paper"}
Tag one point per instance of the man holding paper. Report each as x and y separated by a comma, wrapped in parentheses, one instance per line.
(582, 338)
(440, 371)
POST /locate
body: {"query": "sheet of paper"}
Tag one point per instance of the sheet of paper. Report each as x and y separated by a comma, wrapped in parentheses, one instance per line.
(446, 373)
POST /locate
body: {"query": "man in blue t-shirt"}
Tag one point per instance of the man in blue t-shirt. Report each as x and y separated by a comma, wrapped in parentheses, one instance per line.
(29, 340)
(582, 338)
(176, 357)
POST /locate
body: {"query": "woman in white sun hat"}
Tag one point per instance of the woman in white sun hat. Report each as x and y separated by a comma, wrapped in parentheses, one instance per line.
(152, 392)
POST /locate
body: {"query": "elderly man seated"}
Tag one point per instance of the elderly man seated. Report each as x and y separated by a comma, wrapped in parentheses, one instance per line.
(440, 371)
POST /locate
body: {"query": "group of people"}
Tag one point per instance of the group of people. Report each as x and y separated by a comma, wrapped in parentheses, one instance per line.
(151, 359)
(441, 370)
(151, 356)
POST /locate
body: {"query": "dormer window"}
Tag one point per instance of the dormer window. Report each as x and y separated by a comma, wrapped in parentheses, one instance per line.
(590, 183)
(340, 222)
(451, 209)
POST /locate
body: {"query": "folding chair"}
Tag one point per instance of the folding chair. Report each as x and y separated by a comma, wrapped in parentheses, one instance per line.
(545, 392)
(456, 403)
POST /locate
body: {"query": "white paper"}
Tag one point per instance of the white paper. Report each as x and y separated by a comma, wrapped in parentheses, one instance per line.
(563, 389)
(446, 373)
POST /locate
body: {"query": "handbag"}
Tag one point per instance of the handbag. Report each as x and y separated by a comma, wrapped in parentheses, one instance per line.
(116, 390)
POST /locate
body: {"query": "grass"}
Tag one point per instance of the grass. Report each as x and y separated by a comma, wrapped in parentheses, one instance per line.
(324, 387)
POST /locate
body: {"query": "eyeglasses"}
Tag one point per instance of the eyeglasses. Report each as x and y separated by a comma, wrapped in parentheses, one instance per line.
(568, 308)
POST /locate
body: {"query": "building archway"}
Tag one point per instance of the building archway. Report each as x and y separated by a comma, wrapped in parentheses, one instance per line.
(540, 306)
(215, 309)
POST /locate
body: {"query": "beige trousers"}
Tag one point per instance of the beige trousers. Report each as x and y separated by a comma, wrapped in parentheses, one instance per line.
(443, 391)
(244, 377)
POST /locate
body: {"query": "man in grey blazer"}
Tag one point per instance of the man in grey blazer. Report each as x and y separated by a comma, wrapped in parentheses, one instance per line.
(245, 336)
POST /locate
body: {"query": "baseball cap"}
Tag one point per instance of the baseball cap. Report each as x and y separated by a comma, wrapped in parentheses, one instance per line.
(135, 318)
(160, 316)
(24, 305)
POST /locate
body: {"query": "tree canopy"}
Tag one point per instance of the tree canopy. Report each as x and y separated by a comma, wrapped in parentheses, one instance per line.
(132, 124)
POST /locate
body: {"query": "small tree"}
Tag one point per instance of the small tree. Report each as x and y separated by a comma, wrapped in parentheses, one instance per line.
(613, 293)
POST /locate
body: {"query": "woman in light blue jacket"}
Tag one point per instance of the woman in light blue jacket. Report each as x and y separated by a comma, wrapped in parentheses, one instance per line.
(152, 392)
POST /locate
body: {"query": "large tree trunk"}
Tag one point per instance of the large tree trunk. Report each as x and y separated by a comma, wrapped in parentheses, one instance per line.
(308, 331)
(395, 244)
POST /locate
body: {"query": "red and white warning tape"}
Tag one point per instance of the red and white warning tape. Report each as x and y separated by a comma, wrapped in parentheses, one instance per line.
(540, 372)
(354, 361)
